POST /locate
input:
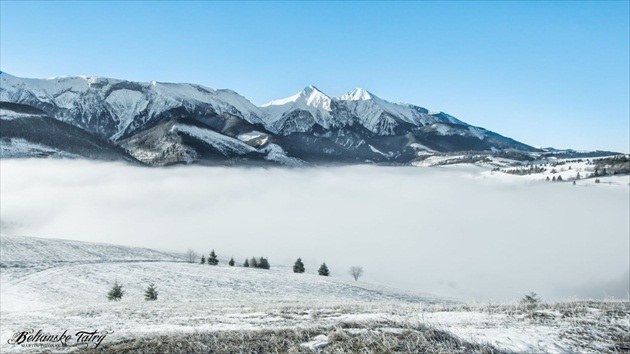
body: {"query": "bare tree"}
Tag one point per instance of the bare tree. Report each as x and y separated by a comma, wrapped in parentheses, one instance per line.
(191, 256)
(356, 272)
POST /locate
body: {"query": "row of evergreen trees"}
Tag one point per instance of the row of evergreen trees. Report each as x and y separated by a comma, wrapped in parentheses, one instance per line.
(559, 179)
(261, 262)
(298, 267)
(530, 169)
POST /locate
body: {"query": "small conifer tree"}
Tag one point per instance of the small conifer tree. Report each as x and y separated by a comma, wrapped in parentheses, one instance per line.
(254, 262)
(231, 262)
(323, 270)
(246, 264)
(116, 292)
(151, 293)
(298, 267)
(203, 260)
(212, 258)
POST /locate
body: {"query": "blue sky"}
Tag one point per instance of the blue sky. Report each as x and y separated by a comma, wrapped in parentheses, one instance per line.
(544, 73)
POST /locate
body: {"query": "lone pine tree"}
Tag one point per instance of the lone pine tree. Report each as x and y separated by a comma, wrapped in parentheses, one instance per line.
(298, 267)
(203, 260)
(231, 262)
(323, 270)
(246, 264)
(116, 292)
(212, 258)
(151, 293)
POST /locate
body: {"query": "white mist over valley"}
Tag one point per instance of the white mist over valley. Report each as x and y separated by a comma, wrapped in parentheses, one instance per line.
(458, 231)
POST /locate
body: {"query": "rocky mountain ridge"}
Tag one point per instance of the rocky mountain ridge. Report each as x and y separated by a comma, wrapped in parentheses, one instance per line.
(164, 123)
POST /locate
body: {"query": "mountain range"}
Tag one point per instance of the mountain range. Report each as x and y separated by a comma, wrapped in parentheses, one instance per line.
(157, 124)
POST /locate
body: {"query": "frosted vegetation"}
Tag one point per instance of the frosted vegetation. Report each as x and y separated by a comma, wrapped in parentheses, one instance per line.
(226, 308)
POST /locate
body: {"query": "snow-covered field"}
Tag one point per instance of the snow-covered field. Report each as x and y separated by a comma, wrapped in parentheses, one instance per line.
(56, 285)
(579, 170)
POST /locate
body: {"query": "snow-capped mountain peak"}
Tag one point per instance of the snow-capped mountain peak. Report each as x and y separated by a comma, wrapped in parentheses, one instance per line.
(138, 116)
(316, 98)
(298, 113)
(115, 108)
(310, 95)
(358, 94)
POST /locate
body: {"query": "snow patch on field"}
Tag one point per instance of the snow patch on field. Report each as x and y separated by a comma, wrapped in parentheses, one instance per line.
(574, 330)
(319, 342)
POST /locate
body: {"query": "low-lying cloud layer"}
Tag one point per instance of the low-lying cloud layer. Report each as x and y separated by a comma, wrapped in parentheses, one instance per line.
(445, 231)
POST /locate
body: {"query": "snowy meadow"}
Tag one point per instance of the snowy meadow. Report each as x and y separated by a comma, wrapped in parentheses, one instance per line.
(57, 287)
(455, 231)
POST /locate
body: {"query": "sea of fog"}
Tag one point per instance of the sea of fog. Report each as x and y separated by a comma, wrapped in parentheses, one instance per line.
(448, 231)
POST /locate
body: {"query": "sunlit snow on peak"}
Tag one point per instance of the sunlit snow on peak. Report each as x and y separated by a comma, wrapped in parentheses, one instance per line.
(282, 101)
(310, 100)
(310, 94)
(358, 94)
(316, 98)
